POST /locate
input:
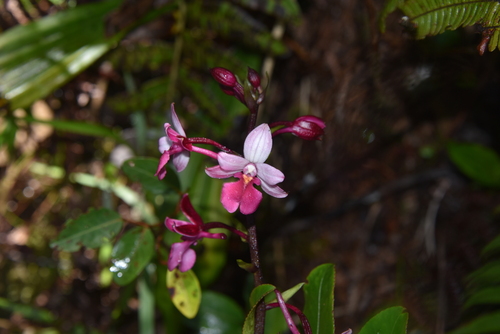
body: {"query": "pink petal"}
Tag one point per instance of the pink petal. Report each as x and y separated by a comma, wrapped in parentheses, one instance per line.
(177, 253)
(238, 193)
(164, 144)
(231, 195)
(161, 172)
(217, 173)
(258, 144)
(250, 200)
(176, 123)
(269, 174)
(190, 212)
(180, 160)
(273, 190)
(231, 162)
(188, 260)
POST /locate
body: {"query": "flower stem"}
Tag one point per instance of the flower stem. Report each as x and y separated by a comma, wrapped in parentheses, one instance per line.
(260, 311)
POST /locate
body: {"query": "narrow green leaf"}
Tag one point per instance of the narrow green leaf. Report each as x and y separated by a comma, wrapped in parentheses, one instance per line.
(480, 163)
(82, 128)
(142, 170)
(219, 314)
(131, 254)
(484, 296)
(486, 324)
(258, 293)
(185, 291)
(27, 311)
(491, 248)
(41, 56)
(319, 299)
(487, 274)
(147, 303)
(390, 321)
(90, 230)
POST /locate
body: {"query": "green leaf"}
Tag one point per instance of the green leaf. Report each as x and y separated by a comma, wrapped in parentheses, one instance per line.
(258, 293)
(319, 299)
(287, 9)
(147, 303)
(83, 128)
(219, 314)
(390, 321)
(131, 254)
(432, 17)
(491, 248)
(288, 293)
(123, 192)
(27, 311)
(90, 230)
(142, 170)
(487, 274)
(38, 57)
(484, 296)
(486, 324)
(480, 163)
(185, 291)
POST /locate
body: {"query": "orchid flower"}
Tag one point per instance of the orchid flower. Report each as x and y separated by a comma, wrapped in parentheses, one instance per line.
(172, 145)
(250, 170)
(181, 255)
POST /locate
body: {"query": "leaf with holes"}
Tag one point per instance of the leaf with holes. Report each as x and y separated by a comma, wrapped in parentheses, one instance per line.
(90, 230)
(185, 291)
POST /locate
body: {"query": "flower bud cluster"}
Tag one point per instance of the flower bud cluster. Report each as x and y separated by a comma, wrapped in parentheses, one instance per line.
(250, 93)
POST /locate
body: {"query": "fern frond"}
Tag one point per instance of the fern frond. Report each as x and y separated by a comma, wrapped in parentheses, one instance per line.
(432, 17)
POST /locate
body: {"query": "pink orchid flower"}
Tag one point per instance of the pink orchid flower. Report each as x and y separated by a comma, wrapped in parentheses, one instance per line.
(181, 255)
(250, 170)
(172, 145)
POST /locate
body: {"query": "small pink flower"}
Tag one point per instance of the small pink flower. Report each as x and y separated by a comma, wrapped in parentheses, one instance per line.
(250, 170)
(181, 255)
(172, 145)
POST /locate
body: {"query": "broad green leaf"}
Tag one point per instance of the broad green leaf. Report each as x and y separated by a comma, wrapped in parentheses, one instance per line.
(390, 321)
(131, 254)
(480, 163)
(319, 299)
(41, 56)
(79, 127)
(142, 170)
(27, 311)
(492, 248)
(91, 229)
(486, 324)
(258, 293)
(219, 314)
(287, 294)
(185, 291)
(484, 296)
(487, 274)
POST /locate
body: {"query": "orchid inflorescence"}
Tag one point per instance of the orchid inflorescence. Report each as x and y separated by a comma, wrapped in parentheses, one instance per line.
(249, 169)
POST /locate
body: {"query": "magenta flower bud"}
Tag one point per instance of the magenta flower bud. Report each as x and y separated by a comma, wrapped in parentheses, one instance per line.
(253, 78)
(308, 127)
(223, 76)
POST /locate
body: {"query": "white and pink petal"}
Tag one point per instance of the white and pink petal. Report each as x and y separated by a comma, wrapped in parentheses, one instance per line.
(258, 144)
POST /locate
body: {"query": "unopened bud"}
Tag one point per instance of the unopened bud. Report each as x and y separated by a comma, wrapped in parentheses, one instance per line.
(308, 127)
(223, 76)
(253, 78)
